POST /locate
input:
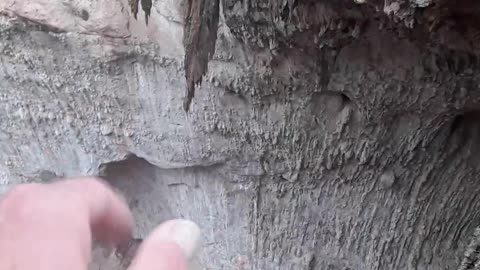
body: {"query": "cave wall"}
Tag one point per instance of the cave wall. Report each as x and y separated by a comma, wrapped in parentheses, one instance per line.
(355, 151)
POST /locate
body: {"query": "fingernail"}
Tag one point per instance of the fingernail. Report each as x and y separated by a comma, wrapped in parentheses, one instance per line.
(186, 234)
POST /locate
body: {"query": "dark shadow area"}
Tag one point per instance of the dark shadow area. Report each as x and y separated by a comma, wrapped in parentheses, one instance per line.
(465, 130)
(84, 15)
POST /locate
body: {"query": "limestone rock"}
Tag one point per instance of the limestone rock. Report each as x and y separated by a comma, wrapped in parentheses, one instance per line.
(332, 137)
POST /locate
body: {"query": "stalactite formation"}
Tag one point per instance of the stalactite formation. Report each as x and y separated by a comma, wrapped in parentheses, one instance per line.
(146, 6)
(134, 7)
(200, 35)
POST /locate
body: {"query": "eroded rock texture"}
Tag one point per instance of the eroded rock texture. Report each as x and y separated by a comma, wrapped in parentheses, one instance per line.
(325, 135)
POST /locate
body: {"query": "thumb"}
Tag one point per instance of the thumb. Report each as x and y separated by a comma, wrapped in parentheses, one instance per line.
(170, 246)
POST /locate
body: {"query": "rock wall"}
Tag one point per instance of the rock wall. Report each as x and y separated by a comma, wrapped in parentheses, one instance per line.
(359, 153)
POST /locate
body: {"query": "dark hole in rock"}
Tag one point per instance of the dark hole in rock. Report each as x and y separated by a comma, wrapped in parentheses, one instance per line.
(330, 101)
(84, 15)
(47, 176)
(345, 98)
(468, 121)
(457, 123)
(464, 131)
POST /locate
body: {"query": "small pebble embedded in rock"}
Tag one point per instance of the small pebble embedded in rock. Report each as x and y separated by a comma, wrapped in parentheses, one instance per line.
(106, 129)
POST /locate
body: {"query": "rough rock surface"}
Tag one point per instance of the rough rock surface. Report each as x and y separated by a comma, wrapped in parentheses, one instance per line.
(357, 149)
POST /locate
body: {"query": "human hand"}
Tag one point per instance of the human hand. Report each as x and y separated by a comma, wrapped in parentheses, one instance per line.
(50, 226)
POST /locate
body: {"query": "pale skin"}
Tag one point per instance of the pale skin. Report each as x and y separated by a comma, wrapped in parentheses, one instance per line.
(51, 226)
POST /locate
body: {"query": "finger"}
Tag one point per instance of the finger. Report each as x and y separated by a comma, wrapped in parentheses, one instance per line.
(49, 226)
(169, 247)
(40, 230)
(110, 217)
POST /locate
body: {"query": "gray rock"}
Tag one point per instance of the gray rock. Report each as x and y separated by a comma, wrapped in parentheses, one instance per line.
(353, 149)
(106, 129)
